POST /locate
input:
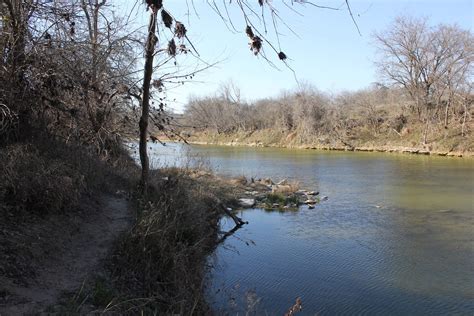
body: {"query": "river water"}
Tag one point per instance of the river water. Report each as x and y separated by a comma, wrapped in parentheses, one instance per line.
(395, 237)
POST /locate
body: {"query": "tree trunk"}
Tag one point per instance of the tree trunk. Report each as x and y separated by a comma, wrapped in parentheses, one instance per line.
(464, 120)
(149, 54)
(446, 114)
(426, 127)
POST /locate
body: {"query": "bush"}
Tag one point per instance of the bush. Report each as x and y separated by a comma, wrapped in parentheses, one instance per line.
(398, 122)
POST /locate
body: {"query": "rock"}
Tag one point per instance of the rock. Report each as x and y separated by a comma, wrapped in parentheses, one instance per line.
(283, 182)
(301, 192)
(312, 193)
(311, 206)
(324, 198)
(445, 211)
(311, 202)
(276, 205)
(246, 202)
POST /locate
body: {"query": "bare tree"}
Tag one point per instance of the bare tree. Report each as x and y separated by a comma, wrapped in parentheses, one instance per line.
(255, 25)
(430, 63)
(74, 71)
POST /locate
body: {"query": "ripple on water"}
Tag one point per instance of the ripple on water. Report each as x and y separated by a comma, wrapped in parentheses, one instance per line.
(368, 267)
(413, 254)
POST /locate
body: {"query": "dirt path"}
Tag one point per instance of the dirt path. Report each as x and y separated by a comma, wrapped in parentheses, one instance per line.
(66, 270)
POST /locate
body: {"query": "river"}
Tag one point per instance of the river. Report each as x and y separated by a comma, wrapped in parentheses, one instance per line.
(395, 237)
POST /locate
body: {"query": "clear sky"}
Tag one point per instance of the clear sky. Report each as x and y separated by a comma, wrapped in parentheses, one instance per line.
(326, 51)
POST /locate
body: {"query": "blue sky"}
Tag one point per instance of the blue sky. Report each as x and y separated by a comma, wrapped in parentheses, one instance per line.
(327, 51)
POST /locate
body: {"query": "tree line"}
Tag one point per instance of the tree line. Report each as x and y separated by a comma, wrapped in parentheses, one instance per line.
(426, 81)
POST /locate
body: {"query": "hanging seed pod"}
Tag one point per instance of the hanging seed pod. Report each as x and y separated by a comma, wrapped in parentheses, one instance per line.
(157, 83)
(172, 48)
(260, 2)
(180, 30)
(167, 19)
(249, 31)
(282, 55)
(183, 49)
(256, 45)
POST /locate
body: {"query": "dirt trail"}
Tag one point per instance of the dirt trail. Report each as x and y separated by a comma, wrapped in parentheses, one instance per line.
(67, 270)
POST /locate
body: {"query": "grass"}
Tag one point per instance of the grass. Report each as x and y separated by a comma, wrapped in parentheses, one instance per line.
(275, 198)
(103, 294)
(33, 183)
(43, 183)
(280, 199)
(160, 266)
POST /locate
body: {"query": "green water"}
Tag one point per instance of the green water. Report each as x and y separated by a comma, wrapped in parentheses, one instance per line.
(395, 237)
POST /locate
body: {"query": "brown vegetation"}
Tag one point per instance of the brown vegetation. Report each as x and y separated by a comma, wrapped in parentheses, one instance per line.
(376, 119)
(66, 88)
(424, 103)
(161, 265)
(69, 95)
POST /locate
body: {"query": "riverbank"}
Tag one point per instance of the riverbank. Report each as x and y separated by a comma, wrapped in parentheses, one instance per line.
(269, 138)
(382, 149)
(79, 237)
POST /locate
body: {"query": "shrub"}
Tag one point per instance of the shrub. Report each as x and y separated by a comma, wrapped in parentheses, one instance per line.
(398, 122)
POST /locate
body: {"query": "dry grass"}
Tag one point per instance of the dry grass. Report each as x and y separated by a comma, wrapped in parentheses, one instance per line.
(43, 183)
(160, 266)
(32, 183)
(286, 188)
(48, 177)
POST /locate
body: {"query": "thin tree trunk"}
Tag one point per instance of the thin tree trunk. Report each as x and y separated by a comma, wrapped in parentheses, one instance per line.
(426, 128)
(16, 62)
(446, 114)
(464, 121)
(150, 49)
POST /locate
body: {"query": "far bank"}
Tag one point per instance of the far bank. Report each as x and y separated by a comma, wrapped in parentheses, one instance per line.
(450, 147)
